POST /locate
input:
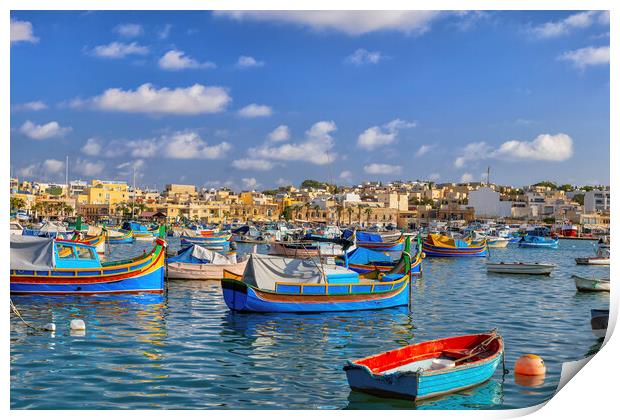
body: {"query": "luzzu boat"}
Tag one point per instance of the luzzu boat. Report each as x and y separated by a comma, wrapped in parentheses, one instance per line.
(436, 245)
(428, 369)
(48, 266)
(120, 237)
(279, 284)
(216, 242)
(363, 261)
(530, 241)
(198, 263)
(374, 241)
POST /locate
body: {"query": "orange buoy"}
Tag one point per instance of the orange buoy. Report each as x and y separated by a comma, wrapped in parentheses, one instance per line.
(530, 365)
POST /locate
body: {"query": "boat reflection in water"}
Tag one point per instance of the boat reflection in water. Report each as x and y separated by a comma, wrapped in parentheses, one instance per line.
(486, 396)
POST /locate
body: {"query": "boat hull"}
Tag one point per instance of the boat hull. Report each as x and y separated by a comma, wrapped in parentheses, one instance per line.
(435, 251)
(241, 297)
(584, 284)
(202, 271)
(592, 261)
(539, 269)
(599, 321)
(422, 384)
(144, 275)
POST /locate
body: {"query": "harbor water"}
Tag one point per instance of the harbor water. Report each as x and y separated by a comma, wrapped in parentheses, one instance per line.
(185, 350)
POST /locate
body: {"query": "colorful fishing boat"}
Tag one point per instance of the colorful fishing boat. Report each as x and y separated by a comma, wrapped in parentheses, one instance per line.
(295, 249)
(279, 284)
(219, 242)
(120, 237)
(428, 369)
(591, 284)
(197, 263)
(436, 245)
(530, 241)
(375, 241)
(48, 266)
(363, 261)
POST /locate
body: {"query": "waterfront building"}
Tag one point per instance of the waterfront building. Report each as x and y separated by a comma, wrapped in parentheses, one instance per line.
(596, 201)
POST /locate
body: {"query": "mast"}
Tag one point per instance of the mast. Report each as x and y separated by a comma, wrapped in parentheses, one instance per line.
(488, 174)
(67, 175)
(133, 197)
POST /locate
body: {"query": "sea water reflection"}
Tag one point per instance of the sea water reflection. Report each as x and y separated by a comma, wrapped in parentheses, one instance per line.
(185, 349)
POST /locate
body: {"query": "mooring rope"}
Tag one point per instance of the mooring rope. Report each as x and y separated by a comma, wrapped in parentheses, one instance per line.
(19, 315)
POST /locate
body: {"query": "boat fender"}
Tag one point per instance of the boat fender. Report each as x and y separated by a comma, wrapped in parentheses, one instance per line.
(77, 325)
(423, 255)
(50, 327)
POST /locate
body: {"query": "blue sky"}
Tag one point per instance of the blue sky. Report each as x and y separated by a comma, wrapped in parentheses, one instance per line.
(259, 99)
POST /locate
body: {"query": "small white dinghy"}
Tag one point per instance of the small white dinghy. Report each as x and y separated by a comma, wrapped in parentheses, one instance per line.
(520, 268)
(591, 284)
(602, 257)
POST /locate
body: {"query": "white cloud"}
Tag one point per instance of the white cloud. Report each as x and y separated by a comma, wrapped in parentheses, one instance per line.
(467, 177)
(589, 56)
(545, 147)
(349, 22)
(362, 56)
(92, 147)
(165, 31)
(88, 168)
(144, 148)
(30, 106)
(471, 152)
(346, 176)
(282, 182)
(253, 164)
(127, 169)
(558, 147)
(250, 183)
(424, 149)
(192, 100)
(28, 171)
(189, 145)
(575, 21)
(255, 111)
(376, 136)
(314, 149)
(129, 30)
(119, 50)
(246, 61)
(382, 169)
(280, 133)
(53, 166)
(41, 132)
(177, 60)
(21, 31)
(434, 176)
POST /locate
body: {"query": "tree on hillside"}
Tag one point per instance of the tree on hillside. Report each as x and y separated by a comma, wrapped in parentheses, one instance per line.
(578, 198)
(17, 203)
(566, 187)
(548, 184)
(311, 183)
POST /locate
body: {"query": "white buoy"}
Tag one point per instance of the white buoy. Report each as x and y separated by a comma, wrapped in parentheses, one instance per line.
(77, 324)
(50, 327)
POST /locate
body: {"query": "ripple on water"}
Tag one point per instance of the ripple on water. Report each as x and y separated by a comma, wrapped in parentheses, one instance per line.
(184, 349)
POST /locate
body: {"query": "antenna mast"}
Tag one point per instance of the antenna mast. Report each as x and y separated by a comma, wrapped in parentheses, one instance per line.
(67, 175)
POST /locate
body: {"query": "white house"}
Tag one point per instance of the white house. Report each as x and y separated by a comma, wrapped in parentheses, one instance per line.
(596, 201)
(485, 202)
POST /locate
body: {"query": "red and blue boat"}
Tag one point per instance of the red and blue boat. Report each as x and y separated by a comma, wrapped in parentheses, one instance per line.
(374, 241)
(435, 245)
(363, 260)
(52, 267)
(429, 369)
(279, 284)
(220, 242)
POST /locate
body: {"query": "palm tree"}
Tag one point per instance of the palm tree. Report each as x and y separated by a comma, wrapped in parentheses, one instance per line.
(360, 207)
(368, 212)
(339, 210)
(350, 211)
